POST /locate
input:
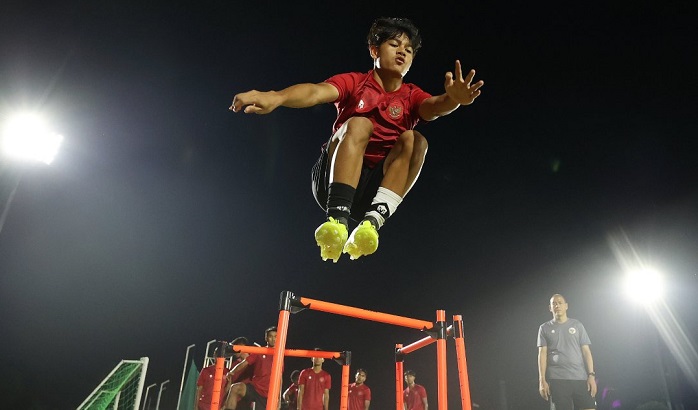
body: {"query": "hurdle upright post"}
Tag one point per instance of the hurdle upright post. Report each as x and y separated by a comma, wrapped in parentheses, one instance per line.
(277, 364)
(399, 370)
(218, 376)
(344, 392)
(441, 360)
(466, 403)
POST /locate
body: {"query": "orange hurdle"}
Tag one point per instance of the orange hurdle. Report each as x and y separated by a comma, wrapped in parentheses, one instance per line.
(289, 303)
(344, 357)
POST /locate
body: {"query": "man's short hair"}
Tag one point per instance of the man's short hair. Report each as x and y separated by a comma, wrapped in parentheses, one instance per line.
(386, 28)
(410, 373)
(294, 375)
(362, 371)
(242, 340)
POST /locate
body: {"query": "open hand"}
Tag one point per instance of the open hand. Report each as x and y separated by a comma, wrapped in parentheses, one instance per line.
(461, 90)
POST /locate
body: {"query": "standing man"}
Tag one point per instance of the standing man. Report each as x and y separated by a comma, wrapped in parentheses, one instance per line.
(414, 396)
(359, 393)
(290, 396)
(257, 389)
(565, 366)
(314, 387)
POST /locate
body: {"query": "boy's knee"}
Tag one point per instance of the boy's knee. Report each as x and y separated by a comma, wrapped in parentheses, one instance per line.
(359, 128)
(420, 143)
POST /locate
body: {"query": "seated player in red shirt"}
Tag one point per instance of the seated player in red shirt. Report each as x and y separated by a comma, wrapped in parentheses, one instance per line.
(374, 156)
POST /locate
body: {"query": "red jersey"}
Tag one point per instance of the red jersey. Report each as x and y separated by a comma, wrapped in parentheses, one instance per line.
(261, 375)
(293, 396)
(413, 396)
(392, 113)
(314, 385)
(243, 377)
(358, 394)
(205, 381)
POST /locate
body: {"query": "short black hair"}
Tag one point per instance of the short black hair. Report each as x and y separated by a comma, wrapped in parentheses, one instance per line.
(271, 329)
(294, 375)
(242, 340)
(410, 373)
(362, 371)
(386, 28)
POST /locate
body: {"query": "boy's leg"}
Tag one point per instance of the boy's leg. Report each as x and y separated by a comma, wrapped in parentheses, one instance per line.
(237, 391)
(401, 170)
(345, 157)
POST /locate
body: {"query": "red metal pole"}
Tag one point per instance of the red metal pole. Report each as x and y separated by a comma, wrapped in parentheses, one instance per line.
(441, 362)
(399, 403)
(278, 360)
(344, 392)
(217, 383)
(466, 404)
(365, 314)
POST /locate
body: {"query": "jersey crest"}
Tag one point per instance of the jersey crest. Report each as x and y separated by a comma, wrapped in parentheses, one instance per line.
(395, 111)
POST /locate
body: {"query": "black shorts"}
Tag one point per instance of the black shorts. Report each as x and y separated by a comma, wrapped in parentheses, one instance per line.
(369, 181)
(570, 394)
(251, 396)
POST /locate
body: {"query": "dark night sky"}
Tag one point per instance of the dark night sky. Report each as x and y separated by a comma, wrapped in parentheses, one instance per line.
(166, 220)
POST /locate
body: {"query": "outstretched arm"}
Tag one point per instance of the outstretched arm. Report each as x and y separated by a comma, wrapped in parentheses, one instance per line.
(295, 96)
(459, 91)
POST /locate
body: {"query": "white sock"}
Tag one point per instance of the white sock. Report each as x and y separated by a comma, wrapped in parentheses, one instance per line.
(384, 204)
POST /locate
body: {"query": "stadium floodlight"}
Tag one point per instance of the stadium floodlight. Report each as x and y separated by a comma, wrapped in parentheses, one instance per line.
(644, 285)
(26, 137)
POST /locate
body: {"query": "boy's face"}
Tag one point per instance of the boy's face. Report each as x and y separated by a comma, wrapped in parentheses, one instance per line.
(394, 55)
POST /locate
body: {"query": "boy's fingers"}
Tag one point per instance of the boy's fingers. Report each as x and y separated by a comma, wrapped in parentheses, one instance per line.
(459, 71)
(470, 76)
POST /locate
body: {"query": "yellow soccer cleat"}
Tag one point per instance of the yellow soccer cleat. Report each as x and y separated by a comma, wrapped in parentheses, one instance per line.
(363, 241)
(331, 237)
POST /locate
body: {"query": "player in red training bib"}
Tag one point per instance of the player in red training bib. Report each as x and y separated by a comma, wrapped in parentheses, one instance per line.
(374, 155)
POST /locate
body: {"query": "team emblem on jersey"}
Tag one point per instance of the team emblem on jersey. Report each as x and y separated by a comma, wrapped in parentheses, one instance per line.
(395, 111)
(361, 104)
(572, 330)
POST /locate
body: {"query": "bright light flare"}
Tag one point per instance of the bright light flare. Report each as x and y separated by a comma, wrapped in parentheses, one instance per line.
(644, 285)
(27, 137)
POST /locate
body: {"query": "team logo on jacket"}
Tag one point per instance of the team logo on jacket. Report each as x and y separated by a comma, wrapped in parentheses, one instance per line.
(572, 330)
(395, 111)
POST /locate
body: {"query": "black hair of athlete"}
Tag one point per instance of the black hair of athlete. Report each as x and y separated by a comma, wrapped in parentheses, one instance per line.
(387, 28)
(271, 329)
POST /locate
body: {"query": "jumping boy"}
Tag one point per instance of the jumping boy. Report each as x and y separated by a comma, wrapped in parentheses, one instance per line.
(374, 156)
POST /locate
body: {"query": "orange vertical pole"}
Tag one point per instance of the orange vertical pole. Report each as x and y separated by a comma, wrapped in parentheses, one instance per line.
(217, 383)
(441, 360)
(277, 364)
(399, 369)
(344, 393)
(466, 404)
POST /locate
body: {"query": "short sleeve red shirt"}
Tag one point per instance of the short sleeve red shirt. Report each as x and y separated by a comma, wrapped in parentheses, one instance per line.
(314, 385)
(205, 381)
(413, 397)
(392, 113)
(358, 394)
(262, 372)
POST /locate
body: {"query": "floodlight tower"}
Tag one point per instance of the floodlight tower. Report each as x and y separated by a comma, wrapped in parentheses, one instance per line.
(25, 138)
